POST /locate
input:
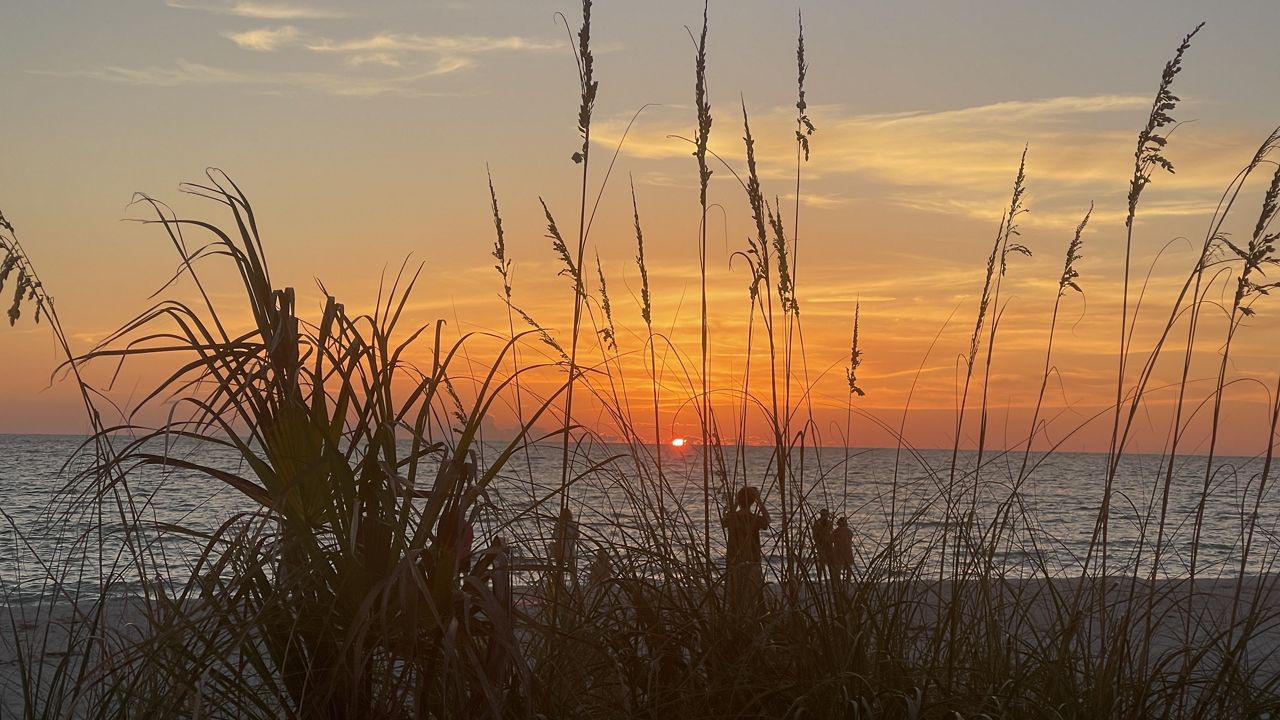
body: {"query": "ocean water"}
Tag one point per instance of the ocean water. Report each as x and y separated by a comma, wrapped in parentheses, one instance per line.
(53, 530)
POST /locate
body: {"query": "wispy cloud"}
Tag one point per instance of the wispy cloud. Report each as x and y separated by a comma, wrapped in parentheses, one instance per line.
(374, 58)
(186, 73)
(817, 200)
(265, 39)
(261, 11)
(413, 57)
(961, 161)
(440, 44)
(388, 49)
(386, 44)
(401, 49)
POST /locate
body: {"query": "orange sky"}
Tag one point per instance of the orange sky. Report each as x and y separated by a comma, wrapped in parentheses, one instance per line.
(362, 138)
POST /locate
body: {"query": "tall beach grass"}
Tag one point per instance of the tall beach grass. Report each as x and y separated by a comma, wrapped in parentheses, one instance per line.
(352, 584)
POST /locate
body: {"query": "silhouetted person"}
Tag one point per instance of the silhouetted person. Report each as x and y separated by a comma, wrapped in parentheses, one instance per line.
(500, 573)
(466, 538)
(564, 542)
(453, 542)
(466, 532)
(563, 554)
(822, 539)
(598, 577)
(469, 469)
(744, 580)
(841, 549)
(498, 659)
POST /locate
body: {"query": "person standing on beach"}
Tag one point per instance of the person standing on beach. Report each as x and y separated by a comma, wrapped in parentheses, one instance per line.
(460, 536)
(470, 469)
(744, 580)
(466, 531)
(841, 550)
(564, 543)
(822, 540)
(599, 575)
(564, 553)
(499, 661)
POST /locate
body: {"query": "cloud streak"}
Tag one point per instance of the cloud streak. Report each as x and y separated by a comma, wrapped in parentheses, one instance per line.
(185, 73)
(442, 44)
(382, 63)
(962, 161)
(387, 43)
(387, 49)
(261, 11)
(266, 39)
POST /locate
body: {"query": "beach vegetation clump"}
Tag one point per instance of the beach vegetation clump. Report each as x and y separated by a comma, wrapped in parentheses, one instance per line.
(392, 561)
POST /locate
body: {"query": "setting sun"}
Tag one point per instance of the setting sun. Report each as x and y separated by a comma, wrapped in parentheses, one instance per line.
(678, 442)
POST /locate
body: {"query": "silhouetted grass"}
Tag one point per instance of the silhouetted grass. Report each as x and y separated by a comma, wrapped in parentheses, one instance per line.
(349, 587)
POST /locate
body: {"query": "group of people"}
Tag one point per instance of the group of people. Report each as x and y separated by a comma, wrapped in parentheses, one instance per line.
(832, 544)
(562, 552)
(743, 523)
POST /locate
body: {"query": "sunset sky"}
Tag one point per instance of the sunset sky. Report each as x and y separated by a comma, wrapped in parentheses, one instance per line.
(361, 132)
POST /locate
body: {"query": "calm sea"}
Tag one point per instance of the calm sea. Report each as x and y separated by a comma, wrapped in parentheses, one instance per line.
(47, 522)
